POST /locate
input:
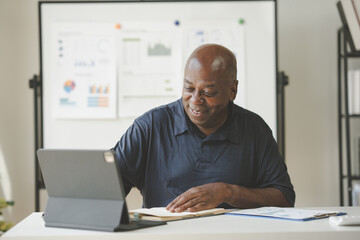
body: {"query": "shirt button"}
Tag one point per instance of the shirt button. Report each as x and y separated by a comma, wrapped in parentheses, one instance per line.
(203, 163)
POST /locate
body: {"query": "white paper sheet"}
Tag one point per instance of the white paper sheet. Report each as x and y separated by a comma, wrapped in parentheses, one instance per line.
(83, 69)
(286, 213)
(150, 66)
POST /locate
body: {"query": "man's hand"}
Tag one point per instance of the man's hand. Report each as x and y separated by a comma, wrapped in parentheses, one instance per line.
(200, 198)
(212, 194)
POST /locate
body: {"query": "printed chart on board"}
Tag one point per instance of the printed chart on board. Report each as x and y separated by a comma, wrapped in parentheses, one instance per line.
(84, 70)
(122, 69)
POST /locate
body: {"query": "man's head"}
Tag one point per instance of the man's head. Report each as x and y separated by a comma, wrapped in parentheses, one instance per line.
(209, 85)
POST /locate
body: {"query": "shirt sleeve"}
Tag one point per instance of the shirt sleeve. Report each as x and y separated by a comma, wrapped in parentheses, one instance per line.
(130, 154)
(272, 170)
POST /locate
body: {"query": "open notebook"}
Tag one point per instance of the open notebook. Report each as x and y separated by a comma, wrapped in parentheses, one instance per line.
(161, 214)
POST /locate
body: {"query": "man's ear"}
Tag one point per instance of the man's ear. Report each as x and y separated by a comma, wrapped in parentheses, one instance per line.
(233, 90)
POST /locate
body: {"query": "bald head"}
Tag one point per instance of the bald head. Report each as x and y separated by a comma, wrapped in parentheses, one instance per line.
(216, 59)
(209, 86)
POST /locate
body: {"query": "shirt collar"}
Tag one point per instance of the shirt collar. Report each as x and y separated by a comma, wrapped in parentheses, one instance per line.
(180, 125)
(232, 128)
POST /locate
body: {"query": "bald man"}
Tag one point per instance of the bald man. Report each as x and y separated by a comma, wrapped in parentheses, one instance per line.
(203, 151)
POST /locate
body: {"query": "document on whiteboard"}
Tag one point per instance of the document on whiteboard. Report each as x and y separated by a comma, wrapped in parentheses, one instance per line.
(83, 68)
(150, 69)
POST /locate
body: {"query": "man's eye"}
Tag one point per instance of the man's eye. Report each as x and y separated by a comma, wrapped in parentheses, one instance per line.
(189, 89)
(209, 94)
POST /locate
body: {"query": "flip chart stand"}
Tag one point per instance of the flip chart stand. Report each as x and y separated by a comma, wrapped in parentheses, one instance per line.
(36, 84)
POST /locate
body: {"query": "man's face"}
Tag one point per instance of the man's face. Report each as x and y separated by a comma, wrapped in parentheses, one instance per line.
(206, 94)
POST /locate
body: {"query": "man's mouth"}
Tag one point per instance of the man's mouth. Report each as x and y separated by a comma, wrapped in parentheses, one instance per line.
(196, 112)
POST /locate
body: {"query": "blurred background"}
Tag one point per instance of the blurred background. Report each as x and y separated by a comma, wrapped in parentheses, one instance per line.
(307, 52)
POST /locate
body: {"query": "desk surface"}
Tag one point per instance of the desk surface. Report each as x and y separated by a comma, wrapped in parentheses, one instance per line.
(217, 227)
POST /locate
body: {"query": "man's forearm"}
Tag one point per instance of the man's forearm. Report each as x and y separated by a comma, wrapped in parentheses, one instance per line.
(241, 197)
(212, 194)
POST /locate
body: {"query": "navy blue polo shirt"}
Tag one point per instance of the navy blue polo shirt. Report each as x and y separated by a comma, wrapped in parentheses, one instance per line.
(164, 154)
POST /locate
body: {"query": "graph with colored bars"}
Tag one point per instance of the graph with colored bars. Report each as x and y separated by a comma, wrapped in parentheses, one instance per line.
(98, 96)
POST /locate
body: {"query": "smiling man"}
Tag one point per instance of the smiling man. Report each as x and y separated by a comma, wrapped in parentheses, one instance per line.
(203, 151)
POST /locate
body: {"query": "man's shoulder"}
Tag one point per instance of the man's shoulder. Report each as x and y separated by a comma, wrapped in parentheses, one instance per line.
(161, 114)
(248, 119)
(245, 114)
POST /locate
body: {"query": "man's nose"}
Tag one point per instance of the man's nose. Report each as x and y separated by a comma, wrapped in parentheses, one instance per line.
(196, 97)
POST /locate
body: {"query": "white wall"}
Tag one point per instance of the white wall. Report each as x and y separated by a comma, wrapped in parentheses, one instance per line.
(307, 52)
(18, 62)
(307, 31)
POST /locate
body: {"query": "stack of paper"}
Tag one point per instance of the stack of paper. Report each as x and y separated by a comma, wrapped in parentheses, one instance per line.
(287, 213)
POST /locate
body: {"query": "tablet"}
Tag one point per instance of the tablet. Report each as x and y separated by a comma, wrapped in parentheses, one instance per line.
(85, 191)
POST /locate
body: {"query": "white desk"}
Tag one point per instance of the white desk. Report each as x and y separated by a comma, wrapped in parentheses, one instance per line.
(218, 227)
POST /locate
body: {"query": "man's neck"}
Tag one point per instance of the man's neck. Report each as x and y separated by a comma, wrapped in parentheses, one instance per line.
(210, 130)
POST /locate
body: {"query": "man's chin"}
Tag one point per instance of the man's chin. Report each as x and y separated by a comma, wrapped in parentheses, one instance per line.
(199, 122)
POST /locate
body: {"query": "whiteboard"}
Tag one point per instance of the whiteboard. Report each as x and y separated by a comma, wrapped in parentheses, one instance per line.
(250, 23)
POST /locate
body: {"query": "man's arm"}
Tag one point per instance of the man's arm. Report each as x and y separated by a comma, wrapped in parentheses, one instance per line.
(129, 152)
(212, 194)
